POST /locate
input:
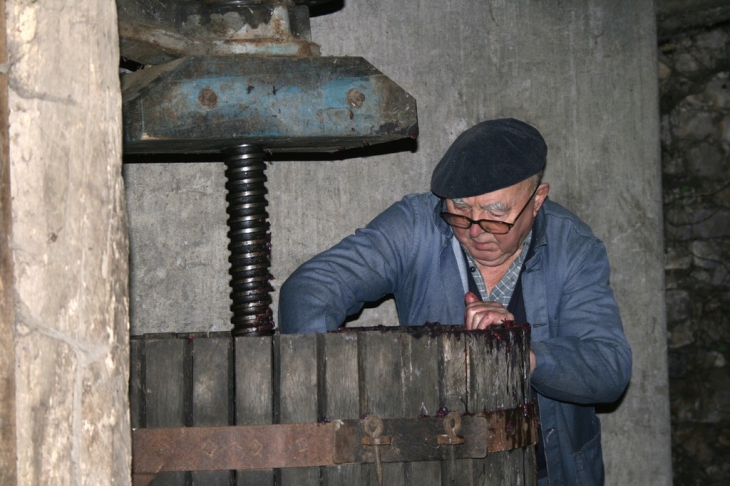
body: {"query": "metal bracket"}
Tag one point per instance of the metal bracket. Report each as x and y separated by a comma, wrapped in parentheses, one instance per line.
(452, 426)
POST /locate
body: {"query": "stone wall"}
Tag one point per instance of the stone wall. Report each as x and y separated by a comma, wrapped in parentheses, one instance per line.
(694, 74)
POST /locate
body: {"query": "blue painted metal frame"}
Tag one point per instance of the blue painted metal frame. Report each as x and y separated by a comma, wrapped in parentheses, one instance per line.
(322, 104)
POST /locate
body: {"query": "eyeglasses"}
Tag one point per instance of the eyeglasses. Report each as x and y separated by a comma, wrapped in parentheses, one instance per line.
(488, 225)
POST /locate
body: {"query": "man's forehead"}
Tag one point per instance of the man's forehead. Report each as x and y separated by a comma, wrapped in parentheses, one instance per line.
(479, 202)
(505, 197)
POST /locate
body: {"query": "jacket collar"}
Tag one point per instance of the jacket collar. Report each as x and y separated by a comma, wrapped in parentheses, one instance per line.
(539, 239)
(438, 221)
(538, 227)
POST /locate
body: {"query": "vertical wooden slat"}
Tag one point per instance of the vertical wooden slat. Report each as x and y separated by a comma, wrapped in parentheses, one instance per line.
(421, 397)
(165, 392)
(497, 380)
(482, 377)
(339, 394)
(298, 395)
(487, 389)
(381, 390)
(254, 394)
(452, 372)
(454, 377)
(211, 395)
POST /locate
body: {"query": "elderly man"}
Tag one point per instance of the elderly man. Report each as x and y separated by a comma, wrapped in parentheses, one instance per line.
(486, 246)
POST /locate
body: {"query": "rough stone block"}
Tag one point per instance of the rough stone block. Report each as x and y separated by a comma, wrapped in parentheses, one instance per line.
(679, 306)
(714, 40)
(681, 335)
(677, 258)
(692, 124)
(717, 91)
(707, 160)
(686, 63)
(700, 223)
(707, 254)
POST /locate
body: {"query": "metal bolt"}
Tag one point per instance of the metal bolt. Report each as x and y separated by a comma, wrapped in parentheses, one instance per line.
(208, 98)
(355, 98)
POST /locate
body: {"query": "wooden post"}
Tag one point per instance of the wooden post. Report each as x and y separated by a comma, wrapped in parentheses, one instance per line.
(69, 328)
(7, 316)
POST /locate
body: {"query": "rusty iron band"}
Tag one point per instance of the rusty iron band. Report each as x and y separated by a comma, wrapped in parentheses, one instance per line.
(247, 447)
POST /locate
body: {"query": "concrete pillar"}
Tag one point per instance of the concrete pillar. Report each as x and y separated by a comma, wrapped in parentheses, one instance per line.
(68, 246)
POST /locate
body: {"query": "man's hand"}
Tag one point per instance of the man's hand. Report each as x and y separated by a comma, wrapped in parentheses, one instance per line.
(480, 315)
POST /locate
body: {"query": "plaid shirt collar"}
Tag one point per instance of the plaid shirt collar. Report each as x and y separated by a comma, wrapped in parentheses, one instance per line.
(502, 292)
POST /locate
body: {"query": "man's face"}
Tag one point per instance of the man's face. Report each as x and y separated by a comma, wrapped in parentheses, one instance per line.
(487, 249)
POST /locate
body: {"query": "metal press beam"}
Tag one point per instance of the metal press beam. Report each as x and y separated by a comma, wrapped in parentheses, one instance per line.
(322, 104)
(242, 78)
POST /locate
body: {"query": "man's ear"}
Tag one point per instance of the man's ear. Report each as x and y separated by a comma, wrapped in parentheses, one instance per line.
(540, 196)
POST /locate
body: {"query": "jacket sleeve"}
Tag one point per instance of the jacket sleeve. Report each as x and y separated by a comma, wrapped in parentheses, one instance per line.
(586, 358)
(363, 267)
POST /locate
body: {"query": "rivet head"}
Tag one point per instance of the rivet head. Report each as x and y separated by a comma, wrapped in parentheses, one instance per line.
(207, 98)
(355, 98)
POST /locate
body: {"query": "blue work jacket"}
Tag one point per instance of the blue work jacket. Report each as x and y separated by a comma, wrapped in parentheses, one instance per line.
(582, 356)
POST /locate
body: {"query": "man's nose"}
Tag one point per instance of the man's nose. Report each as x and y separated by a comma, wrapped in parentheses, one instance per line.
(475, 230)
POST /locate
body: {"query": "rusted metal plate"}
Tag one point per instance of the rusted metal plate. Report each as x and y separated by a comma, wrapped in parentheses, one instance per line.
(323, 444)
(410, 440)
(237, 447)
(513, 428)
(205, 104)
(142, 479)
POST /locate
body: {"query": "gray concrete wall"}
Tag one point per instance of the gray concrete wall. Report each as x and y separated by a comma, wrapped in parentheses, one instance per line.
(583, 72)
(69, 244)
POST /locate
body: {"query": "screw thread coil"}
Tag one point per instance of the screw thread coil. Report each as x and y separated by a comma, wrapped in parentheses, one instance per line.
(250, 240)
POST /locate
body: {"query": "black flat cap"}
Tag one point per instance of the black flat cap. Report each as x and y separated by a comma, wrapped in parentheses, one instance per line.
(489, 156)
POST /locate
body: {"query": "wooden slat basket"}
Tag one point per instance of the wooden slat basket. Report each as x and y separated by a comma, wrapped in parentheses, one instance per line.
(195, 397)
